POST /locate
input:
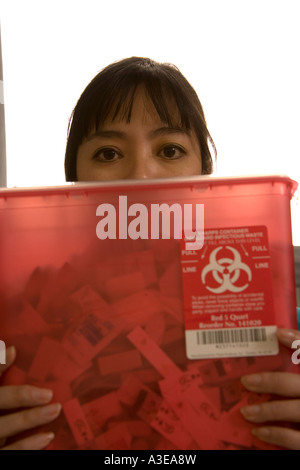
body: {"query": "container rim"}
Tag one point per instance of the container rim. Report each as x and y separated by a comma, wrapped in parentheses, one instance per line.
(200, 181)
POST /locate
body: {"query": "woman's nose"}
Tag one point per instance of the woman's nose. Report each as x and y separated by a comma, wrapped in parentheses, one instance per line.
(142, 167)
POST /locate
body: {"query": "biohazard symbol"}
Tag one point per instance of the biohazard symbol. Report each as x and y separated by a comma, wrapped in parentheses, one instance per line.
(226, 271)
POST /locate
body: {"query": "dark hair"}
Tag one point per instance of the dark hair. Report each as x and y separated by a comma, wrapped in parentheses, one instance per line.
(112, 92)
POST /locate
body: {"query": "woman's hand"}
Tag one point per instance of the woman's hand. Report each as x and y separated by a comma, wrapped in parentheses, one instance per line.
(283, 384)
(25, 396)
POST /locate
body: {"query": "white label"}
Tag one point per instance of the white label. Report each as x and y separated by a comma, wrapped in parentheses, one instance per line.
(231, 342)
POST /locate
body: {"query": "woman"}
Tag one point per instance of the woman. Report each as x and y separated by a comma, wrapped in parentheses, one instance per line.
(115, 102)
(141, 119)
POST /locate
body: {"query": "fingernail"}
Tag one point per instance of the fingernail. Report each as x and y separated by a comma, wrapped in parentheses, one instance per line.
(51, 410)
(250, 411)
(42, 395)
(10, 354)
(250, 381)
(261, 432)
(44, 439)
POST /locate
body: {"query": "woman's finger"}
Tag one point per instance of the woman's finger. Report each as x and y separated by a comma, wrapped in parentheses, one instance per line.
(279, 383)
(2, 442)
(12, 424)
(281, 410)
(287, 336)
(283, 437)
(19, 396)
(36, 442)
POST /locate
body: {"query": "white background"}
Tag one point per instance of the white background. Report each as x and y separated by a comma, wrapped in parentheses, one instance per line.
(241, 56)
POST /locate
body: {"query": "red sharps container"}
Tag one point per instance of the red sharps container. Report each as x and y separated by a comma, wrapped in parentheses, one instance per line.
(141, 304)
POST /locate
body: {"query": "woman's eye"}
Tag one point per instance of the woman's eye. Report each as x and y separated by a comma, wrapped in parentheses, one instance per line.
(172, 152)
(106, 155)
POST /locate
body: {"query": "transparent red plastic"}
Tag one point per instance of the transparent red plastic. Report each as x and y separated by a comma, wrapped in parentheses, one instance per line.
(101, 322)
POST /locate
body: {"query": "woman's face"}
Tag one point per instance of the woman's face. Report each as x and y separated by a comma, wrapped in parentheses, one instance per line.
(143, 148)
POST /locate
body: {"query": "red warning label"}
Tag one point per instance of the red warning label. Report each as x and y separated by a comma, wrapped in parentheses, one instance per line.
(227, 291)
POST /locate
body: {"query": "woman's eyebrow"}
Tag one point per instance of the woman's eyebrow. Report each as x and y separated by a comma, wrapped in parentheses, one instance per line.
(160, 131)
(169, 130)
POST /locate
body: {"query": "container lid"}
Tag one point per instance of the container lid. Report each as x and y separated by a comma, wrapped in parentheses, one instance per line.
(200, 181)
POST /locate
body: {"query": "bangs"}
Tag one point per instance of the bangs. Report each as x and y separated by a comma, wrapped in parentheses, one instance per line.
(117, 103)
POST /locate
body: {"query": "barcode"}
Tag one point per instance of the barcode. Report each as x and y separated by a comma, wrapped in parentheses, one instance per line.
(249, 335)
